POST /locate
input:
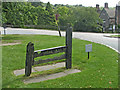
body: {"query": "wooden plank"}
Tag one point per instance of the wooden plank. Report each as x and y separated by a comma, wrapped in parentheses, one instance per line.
(49, 51)
(69, 48)
(49, 59)
(42, 50)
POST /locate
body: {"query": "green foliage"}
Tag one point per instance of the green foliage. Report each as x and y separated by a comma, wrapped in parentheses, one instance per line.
(40, 14)
(81, 18)
(36, 4)
(50, 17)
(119, 26)
(23, 13)
(85, 19)
(18, 13)
(65, 14)
(49, 8)
(4, 20)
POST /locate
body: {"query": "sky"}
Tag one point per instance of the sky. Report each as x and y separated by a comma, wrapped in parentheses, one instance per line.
(111, 3)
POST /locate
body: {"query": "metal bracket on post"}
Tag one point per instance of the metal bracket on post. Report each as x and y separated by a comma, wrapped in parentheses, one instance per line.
(29, 59)
(69, 47)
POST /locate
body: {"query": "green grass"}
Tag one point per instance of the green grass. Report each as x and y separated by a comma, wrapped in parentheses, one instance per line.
(118, 36)
(100, 71)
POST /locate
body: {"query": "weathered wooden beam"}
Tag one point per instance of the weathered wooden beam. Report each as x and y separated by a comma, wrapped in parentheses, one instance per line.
(49, 59)
(69, 48)
(49, 51)
(29, 59)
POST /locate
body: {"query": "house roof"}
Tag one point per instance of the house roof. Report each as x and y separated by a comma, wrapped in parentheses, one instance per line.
(110, 12)
(99, 11)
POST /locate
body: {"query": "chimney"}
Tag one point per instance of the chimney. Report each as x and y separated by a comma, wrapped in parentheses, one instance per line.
(118, 14)
(97, 6)
(106, 5)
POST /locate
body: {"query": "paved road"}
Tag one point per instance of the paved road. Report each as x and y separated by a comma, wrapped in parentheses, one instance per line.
(94, 37)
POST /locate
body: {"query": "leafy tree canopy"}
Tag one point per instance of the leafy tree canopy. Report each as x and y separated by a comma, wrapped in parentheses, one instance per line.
(41, 14)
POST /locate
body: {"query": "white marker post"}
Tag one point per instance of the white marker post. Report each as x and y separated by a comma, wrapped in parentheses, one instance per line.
(88, 49)
(4, 26)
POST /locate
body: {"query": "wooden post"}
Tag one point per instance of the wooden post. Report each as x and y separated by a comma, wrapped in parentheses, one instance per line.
(29, 59)
(59, 31)
(88, 55)
(69, 47)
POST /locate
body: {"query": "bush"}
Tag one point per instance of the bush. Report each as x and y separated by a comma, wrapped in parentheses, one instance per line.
(83, 27)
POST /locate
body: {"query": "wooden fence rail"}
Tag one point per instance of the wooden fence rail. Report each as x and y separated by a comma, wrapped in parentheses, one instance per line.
(31, 54)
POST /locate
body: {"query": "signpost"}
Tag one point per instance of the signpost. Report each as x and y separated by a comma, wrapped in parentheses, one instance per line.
(88, 49)
(57, 15)
(4, 26)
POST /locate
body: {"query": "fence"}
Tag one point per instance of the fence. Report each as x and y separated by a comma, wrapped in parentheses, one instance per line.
(31, 54)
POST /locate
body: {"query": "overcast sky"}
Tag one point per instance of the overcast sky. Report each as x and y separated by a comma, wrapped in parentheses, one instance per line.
(111, 3)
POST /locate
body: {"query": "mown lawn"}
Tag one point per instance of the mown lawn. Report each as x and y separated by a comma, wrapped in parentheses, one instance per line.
(117, 36)
(100, 71)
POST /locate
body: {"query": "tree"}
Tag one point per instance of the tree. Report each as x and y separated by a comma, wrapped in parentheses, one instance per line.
(49, 15)
(85, 19)
(65, 14)
(4, 20)
(36, 4)
(19, 13)
(23, 13)
(49, 8)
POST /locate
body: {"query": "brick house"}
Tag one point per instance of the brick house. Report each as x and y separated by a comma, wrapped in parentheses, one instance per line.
(110, 16)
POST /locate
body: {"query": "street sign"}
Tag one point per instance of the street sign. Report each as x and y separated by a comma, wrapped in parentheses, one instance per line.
(57, 15)
(89, 48)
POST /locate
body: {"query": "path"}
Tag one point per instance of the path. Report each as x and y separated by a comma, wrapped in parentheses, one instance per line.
(7, 44)
(40, 78)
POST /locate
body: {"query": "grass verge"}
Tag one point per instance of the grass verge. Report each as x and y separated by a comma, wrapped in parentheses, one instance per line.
(116, 36)
(100, 71)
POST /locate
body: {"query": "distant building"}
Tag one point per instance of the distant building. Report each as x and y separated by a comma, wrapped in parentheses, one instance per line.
(110, 16)
(98, 9)
(118, 13)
